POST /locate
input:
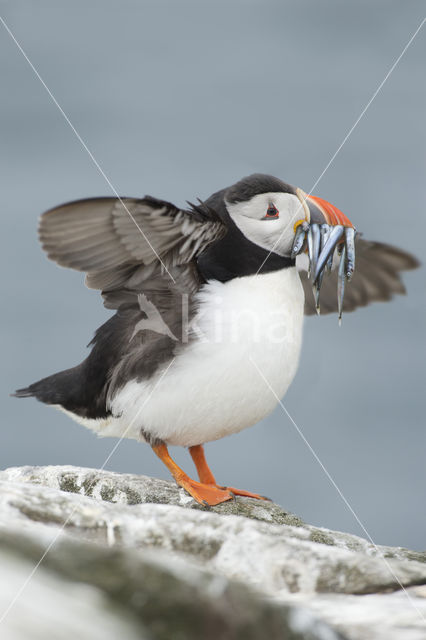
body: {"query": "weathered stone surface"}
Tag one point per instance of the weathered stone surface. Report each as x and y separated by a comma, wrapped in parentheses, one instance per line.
(381, 616)
(130, 489)
(50, 607)
(136, 540)
(167, 597)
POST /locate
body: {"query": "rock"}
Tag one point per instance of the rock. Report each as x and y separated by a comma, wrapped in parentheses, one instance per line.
(166, 597)
(244, 569)
(50, 607)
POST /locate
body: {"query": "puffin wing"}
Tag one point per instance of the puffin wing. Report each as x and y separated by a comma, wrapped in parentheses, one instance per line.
(377, 277)
(121, 243)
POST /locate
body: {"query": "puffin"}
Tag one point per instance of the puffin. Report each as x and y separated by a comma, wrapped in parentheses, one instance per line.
(205, 297)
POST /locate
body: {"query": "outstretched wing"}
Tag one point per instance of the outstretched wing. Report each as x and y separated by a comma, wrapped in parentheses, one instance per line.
(120, 243)
(376, 278)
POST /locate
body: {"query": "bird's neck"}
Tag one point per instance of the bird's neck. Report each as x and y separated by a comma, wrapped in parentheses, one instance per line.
(235, 256)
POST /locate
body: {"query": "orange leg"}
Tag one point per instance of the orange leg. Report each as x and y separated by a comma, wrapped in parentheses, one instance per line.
(207, 494)
(204, 472)
(207, 477)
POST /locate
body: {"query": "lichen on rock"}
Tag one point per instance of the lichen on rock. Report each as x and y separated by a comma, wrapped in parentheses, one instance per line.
(245, 568)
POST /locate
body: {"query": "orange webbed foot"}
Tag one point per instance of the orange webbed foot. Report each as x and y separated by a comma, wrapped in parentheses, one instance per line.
(207, 477)
(246, 494)
(203, 492)
(206, 494)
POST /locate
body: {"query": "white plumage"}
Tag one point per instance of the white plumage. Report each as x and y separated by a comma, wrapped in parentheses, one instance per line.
(212, 388)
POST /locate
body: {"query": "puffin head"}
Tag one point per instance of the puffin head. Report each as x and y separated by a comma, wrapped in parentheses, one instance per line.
(269, 212)
(269, 223)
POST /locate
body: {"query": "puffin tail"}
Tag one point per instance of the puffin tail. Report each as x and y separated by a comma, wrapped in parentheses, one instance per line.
(55, 389)
(26, 392)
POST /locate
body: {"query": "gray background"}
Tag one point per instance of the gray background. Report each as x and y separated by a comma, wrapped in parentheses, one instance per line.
(178, 99)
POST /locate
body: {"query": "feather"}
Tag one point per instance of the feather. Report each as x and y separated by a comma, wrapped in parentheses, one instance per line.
(376, 277)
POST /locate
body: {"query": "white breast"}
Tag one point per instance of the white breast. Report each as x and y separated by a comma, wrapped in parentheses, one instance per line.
(212, 388)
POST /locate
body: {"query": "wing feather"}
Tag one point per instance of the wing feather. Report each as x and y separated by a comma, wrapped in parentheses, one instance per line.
(377, 277)
(120, 243)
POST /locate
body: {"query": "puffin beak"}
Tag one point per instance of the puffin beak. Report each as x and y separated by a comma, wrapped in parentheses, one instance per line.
(322, 212)
(324, 229)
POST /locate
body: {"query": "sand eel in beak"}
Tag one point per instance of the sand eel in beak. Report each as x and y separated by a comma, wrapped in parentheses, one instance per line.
(201, 294)
(324, 230)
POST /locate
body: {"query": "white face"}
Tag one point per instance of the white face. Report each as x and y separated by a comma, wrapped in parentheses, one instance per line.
(255, 220)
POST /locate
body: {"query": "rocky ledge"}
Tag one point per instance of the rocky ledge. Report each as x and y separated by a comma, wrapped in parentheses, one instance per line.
(93, 554)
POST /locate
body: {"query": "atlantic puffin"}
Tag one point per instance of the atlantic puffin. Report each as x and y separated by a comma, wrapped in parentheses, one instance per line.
(202, 294)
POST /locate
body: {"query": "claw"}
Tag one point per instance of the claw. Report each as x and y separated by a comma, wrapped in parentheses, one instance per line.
(341, 283)
(350, 251)
(245, 494)
(328, 250)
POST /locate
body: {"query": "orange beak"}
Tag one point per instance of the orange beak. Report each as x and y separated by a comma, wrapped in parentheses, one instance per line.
(322, 212)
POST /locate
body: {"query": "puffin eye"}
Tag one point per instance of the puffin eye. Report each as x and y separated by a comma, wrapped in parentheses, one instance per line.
(271, 213)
